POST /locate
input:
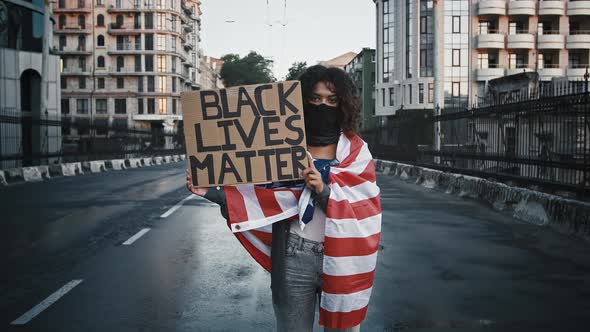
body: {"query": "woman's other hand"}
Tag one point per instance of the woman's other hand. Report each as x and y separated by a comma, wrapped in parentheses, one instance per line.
(313, 178)
(189, 185)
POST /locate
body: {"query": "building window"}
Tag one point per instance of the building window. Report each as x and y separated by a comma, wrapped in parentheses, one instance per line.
(137, 21)
(410, 94)
(420, 93)
(391, 97)
(383, 95)
(456, 89)
(100, 40)
(161, 63)
(100, 20)
(482, 61)
(173, 62)
(120, 63)
(149, 20)
(120, 20)
(82, 21)
(63, 41)
(484, 27)
(82, 63)
(120, 83)
(151, 106)
(139, 105)
(456, 24)
(140, 84)
(516, 60)
(161, 83)
(150, 83)
(162, 105)
(82, 82)
(120, 106)
(456, 57)
(100, 83)
(161, 21)
(149, 42)
(81, 43)
(100, 61)
(101, 106)
(65, 106)
(173, 106)
(63, 82)
(161, 42)
(82, 106)
(100, 2)
(431, 92)
(137, 59)
(149, 63)
(173, 84)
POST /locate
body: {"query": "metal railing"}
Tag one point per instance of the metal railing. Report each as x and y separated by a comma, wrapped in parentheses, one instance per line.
(537, 137)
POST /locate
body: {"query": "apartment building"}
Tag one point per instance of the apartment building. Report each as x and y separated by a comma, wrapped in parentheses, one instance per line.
(210, 73)
(362, 71)
(479, 40)
(125, 62)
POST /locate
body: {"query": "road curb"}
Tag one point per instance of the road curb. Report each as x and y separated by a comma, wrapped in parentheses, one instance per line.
(565, 215)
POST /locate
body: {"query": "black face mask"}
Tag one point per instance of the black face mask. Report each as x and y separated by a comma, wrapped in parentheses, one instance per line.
(322, 124)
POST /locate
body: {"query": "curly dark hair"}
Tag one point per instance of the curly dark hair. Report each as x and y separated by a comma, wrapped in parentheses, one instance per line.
(339, 82)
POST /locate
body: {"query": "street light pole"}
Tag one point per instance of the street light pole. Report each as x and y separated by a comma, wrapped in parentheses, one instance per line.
(438, 102)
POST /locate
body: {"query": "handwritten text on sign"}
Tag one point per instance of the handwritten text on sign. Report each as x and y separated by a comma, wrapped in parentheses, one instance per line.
(247, 134)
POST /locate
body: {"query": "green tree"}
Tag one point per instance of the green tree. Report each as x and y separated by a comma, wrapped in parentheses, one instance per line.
(296, 70)
(251, 69)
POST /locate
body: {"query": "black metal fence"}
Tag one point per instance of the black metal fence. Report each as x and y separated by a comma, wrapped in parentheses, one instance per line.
(28, 141)
(540, 137)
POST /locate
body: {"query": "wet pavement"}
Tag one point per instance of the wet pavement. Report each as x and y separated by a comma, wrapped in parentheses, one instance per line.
(446, 264)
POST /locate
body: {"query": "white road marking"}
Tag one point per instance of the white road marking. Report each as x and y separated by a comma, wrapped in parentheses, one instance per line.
(26, 317)
(136, 236)
(177, 206)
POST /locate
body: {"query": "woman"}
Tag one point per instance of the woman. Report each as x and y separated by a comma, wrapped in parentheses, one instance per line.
(330, 248)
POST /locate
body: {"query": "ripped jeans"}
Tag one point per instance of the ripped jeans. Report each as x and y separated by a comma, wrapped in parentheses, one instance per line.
(301, 286)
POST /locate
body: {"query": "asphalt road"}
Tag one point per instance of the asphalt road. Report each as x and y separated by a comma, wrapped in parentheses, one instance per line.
(100, 245)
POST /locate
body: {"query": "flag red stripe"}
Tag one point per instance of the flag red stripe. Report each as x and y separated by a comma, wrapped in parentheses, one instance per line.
(351, 180)
(269, 204)
(351, 246)
(358, 210)
(342, 320)
(237, 208)
(265, 237)
(347, 284)
(356, 145)
(258, 255)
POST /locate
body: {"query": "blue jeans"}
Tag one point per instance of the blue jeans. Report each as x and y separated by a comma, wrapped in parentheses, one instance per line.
(301, 284)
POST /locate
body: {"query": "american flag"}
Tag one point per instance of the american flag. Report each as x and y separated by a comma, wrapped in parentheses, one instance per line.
(353, 229)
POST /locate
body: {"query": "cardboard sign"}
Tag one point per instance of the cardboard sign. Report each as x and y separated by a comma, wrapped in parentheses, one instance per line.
(245, 134)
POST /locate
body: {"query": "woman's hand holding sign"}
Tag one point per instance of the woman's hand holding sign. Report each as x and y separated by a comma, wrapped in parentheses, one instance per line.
(193, 189)
(313, 178)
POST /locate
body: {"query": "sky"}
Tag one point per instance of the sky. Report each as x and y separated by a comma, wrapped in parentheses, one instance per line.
(315, 30)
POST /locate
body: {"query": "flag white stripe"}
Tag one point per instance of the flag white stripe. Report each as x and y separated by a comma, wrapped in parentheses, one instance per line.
(345, 302)
(353, 228)
(353, 194)
(257, 243)
(349, 265)
(286, 199)
(343, 147)
(253, 209)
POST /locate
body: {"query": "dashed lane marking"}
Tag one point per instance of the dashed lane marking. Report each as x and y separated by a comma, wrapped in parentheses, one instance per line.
(136, 237)
(177, 206)
(36, 310)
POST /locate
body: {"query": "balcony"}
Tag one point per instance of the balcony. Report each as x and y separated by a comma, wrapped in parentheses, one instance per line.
(519, 69)
(549, 71)
(125, 8)
(125, 49)
(188, 45)
(491, 40)
(187, 27)
(550, 41)
(486, 74)
(552, 8)
(78, 6)
(73, 29)
(578, 8)
(75, 51)
(576, 70)
(521, 7)
(156, 117)
(521, 41)
(492, 7)
(578, 39)
(125, 71)
(75, 71)
(117, 29)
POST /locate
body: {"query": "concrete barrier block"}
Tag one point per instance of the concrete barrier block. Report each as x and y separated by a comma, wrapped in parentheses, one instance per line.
(118, 164)
(175, 158)
(133, 163)
(94, 166)
(32, 174)
(2, 179)
(182, 157)
(146, 161)
(167, 159)
(13, 175)
(157, 160)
